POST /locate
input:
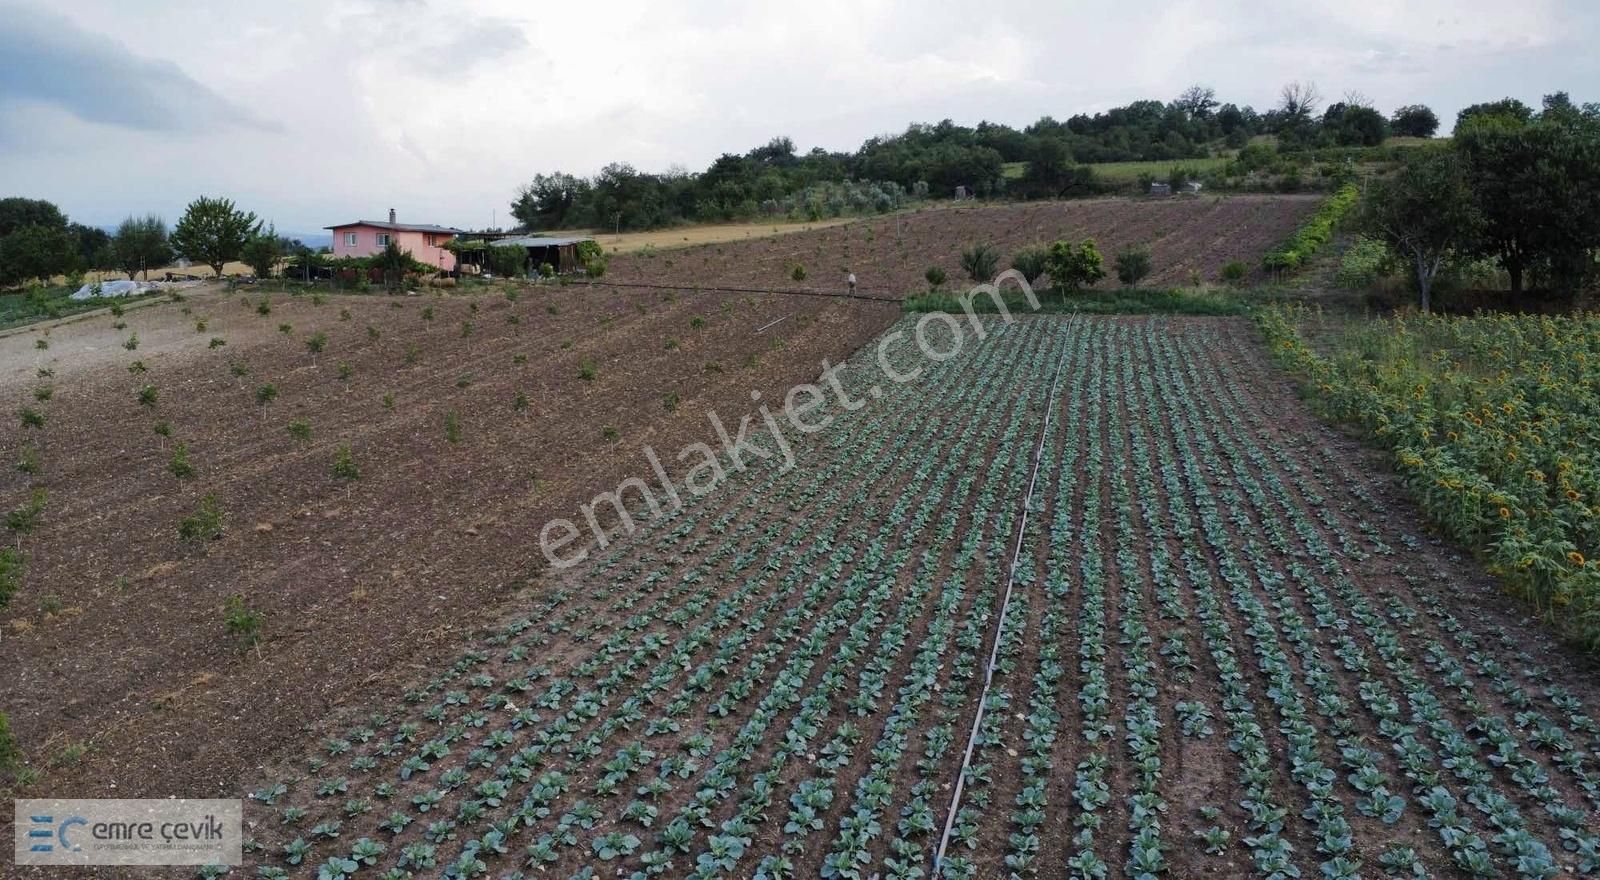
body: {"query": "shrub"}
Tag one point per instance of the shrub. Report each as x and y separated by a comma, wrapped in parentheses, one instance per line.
(506, 262)
(204, 525)
(243, 622)
(25, 519)
(1132, 265)
(300, 429)
(148, 395)
(1031, 262)
(546, 270)
(217, 342)
(669, 401)
(452, 427)
(137, 367)
(610, 433)
(980, 262)
(266, 394)
(799, 273)
(11, 562)
(1075, 267)
(286, 329)
(316, 342)
(587, 371)
(697, 322)
(163, 429)
(521, 403)
(264, 307)
(345, 370)
(388, 401)
(132, 343)
(41, 344)
(31, 418)
(1235, 271)
(28, 459)
(344, 463)
(179, 464)
(10, 753)
(935, 277)
(1364, 264)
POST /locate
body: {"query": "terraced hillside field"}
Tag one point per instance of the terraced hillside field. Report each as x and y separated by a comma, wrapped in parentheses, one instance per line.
(1092, 598)
(1187, 238)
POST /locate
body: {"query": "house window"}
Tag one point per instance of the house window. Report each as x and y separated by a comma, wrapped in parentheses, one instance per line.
(349, 239)
(430, 240)
(383, 239)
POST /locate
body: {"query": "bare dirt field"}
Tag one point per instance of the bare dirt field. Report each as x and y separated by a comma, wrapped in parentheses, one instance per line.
(120, 674)
(1187, 238)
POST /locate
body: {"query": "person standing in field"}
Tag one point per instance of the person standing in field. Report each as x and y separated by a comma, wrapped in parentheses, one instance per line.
(852, 282)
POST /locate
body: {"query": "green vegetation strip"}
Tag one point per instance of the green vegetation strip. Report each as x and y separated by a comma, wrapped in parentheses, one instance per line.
(1314, 233)
(1492, 422)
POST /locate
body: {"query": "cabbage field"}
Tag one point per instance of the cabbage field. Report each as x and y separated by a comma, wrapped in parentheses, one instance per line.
(1095, 598)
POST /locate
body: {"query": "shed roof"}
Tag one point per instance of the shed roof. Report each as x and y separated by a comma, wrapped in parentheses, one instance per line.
(400, 227)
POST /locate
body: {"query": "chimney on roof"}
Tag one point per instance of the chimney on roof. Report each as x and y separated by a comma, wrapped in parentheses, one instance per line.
(391, 215)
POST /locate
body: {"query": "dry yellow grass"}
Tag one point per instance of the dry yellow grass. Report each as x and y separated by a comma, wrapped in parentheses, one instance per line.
(662, 239)
(199, 271)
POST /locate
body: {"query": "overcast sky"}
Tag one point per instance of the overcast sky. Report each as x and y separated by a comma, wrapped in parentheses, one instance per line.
(311, 112)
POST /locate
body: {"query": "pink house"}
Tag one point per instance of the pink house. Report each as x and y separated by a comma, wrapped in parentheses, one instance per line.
(364, 238)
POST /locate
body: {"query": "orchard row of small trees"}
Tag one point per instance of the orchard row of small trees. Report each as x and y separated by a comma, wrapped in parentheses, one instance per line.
(37, 242)
(1070, 266)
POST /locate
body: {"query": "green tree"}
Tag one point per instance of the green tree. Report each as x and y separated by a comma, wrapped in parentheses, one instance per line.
(1075, 267)
(1506, 108)
(1414, 120)
(549, 201)
(214, 232)
(1535, 185)
(1355, 126)
(93, 246)
(140, 243)
(262, 252)
(35, 241)
(1424, 212)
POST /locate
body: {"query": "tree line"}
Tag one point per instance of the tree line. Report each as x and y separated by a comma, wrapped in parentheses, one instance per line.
(1517, 186)
(933, 160)
(38, 242)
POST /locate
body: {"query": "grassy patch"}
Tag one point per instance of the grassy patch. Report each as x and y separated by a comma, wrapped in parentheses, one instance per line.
(46, 303)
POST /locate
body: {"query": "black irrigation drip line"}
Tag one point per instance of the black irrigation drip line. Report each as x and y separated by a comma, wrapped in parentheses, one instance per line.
(1000, 624)
(827, 294)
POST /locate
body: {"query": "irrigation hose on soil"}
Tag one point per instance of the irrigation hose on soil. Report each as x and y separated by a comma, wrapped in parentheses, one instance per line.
(1000, 623)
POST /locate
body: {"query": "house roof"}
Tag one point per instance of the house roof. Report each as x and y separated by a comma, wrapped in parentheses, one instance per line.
(400, 227)
(538, 241)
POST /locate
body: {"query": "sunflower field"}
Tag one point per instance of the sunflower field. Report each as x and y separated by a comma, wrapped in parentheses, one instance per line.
(1494, 422)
